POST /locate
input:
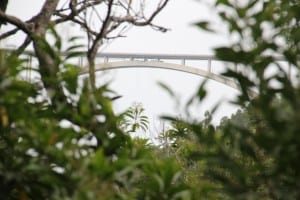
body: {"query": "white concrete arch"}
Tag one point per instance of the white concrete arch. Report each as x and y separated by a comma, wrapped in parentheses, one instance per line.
(164, 65)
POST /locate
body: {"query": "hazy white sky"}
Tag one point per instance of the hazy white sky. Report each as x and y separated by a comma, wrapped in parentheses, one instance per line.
(183, 37)
(139, 85)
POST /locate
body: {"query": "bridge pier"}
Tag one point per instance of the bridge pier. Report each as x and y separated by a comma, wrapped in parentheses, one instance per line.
(183, 62)
(209, 65)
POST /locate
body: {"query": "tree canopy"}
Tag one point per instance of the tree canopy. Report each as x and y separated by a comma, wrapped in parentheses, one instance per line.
(101, 20)
(60, 138)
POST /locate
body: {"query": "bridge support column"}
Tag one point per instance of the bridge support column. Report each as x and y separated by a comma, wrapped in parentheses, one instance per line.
(28, 70)
(209, 65)
(183, 62)
(80, 62)
(105, 59)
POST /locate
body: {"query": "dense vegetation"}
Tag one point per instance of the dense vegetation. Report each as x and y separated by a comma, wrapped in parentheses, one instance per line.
(60, 139)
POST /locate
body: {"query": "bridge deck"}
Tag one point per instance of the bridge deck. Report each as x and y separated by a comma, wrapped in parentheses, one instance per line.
(165, 61)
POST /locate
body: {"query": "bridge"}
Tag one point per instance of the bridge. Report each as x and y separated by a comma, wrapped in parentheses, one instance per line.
(109, 61)
(179, 62)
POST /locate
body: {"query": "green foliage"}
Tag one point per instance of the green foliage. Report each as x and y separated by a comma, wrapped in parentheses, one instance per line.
(255, 153)
(61, 140)
(134, 119)
(165, 184)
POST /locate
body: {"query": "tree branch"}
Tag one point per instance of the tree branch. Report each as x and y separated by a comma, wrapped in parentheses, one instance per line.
(137, 22)
(92, 51)
(9, 33)
(23, 46)
(16, 22)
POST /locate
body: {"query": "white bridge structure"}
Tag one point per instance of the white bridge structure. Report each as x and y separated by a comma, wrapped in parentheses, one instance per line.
(205, 66)
(177, 62)
(110, 61)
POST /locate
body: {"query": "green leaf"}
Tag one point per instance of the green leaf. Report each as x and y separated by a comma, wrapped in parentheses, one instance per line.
(167, 88)
(204, 25)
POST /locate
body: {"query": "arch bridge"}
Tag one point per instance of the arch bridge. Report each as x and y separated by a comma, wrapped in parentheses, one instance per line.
(179, 62)
(109, 61)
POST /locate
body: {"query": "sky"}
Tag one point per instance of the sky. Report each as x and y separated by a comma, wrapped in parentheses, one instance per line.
(183, 38)
(140, 85)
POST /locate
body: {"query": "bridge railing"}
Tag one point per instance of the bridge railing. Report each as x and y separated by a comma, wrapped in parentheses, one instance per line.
(211, 63)
(180, 58)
